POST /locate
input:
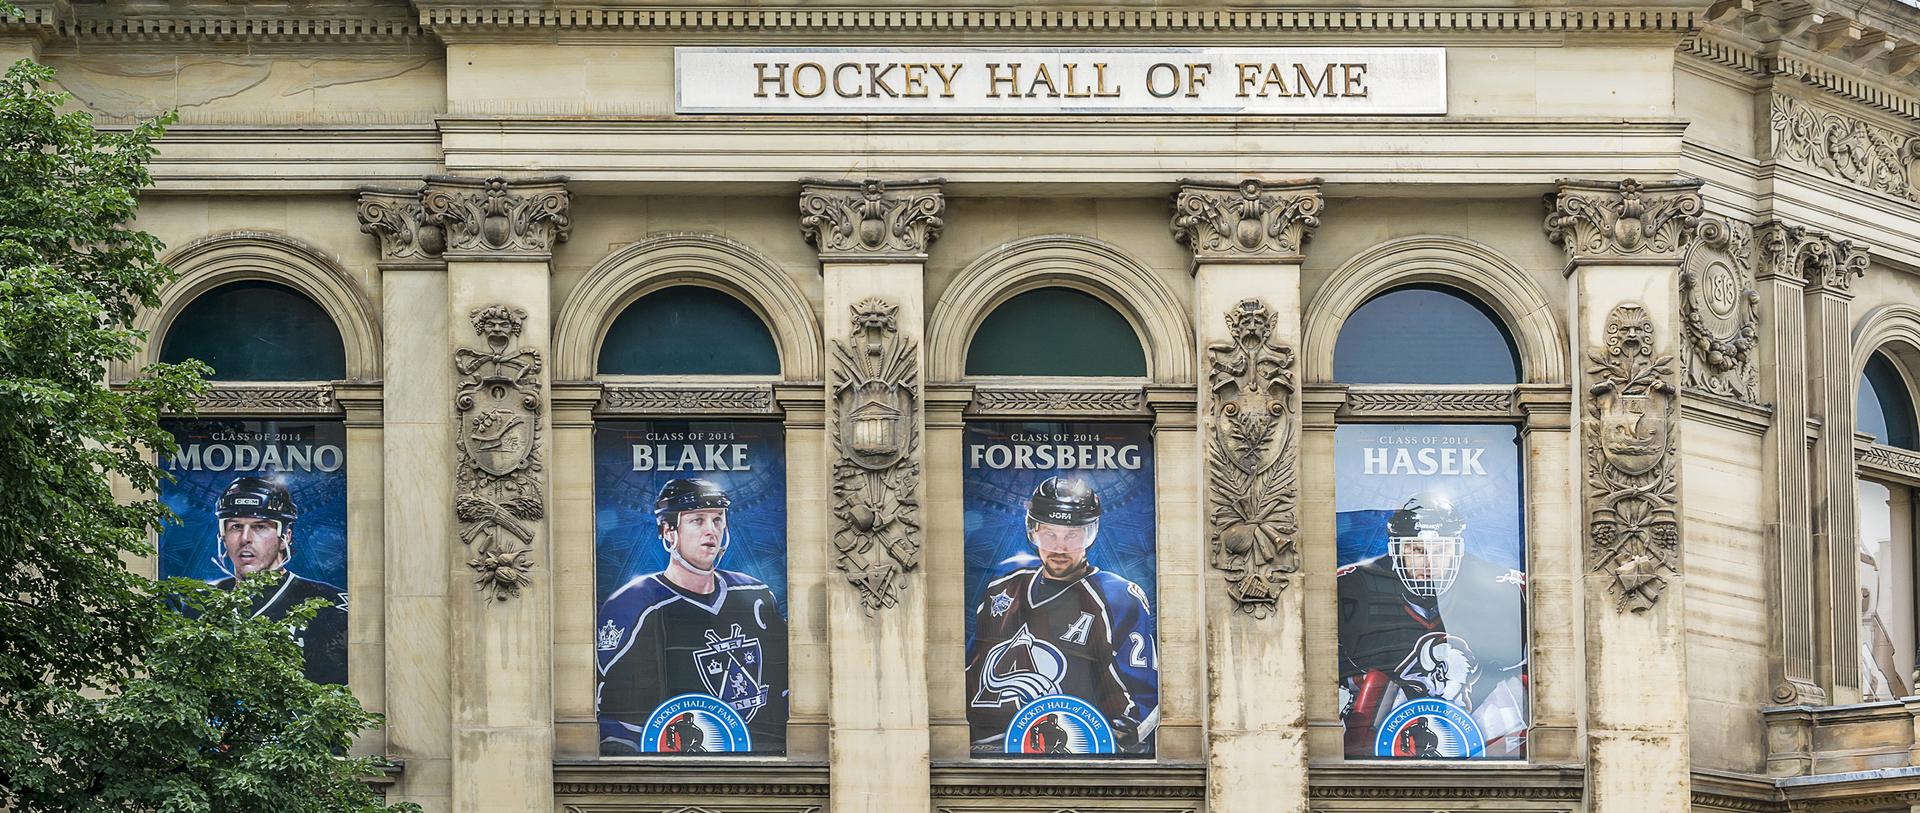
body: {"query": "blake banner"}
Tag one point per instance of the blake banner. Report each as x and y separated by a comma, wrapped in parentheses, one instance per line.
(690, 540)
(1061, 655)
(1432, 591)
(257, 497)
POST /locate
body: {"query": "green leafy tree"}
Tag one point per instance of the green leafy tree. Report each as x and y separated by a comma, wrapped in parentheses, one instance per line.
(109, 699)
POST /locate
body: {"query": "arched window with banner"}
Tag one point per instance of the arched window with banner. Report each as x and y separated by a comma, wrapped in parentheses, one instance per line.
(1885, 426)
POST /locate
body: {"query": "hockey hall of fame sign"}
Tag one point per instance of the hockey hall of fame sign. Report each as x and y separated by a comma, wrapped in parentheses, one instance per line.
(690, 540)
(1432, 590)
(1061, 654)
(267, 498)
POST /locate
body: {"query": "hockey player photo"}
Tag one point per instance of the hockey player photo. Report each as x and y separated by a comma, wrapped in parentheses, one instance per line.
(259, 528)
(1062, 658)
(691, 636)
(1431, 597)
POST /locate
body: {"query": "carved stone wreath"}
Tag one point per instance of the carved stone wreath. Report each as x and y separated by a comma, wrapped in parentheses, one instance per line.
(1252, 488)
(874, 403)
(497, 409)
(1632, 489)
(1719, 311)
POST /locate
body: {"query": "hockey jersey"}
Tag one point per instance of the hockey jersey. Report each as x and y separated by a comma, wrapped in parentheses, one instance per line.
(323, 641)
(656, 641)
(1090, 637)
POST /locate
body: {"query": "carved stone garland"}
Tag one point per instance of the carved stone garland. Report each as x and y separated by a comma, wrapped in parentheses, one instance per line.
(1632, 488)
(1252, 486)
(1719, 311)
(497, 409)
(876, 439)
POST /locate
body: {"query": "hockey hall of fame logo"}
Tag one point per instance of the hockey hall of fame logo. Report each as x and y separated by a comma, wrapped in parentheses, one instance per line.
(694, 724)
(1059, 724)
(1429, 728)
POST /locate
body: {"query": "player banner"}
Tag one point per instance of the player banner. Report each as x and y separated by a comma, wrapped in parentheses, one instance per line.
(257, 497)
(1432, 591)
(1061, 654)
(690, 540)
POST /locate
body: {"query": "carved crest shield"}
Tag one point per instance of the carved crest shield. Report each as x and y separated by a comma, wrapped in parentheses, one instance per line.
(1633, 433)
(498, 430)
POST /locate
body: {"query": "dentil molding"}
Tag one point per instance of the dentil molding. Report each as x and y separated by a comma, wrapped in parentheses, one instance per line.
(1249, 220)
(1621, 220)
(872, 219)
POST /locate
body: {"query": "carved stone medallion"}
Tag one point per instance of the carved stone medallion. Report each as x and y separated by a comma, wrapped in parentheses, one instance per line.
(874, 403)
(1719, 311)
(1252, 490)
(1632, 489)
(497, 407)
(871, 219)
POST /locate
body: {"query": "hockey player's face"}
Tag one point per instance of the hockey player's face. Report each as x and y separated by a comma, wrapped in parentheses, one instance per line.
(252, 544)
(700, 535)
(1063, 548)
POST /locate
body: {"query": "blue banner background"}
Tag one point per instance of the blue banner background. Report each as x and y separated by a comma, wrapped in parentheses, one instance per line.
(190, 548)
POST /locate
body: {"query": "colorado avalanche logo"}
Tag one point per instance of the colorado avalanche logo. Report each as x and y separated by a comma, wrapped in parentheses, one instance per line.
(1020, 670)
(730, 668)
(694, 724)
(1059, 724)
(1429, 729)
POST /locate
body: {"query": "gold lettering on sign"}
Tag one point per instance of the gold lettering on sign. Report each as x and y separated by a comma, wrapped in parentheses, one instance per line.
(837, 89)
(1041, 74)
(1305, 85)
(1196, 77)
(916, 80)
(779, 78)
(819, 79)
(1012, 79)
(1355, 84)
(946, 78)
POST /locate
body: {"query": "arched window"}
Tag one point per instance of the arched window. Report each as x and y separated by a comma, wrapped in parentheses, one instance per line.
(1424, 334)
(1884, 407)
(1056, 332)
(256, 330)
(688, 330)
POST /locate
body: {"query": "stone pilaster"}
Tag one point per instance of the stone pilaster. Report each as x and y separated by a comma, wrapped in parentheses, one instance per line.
(872, 236)
(1624, 247)
(416, 434)
(498, 237)
(576, 729)
(1795, 680)
(1247, 239)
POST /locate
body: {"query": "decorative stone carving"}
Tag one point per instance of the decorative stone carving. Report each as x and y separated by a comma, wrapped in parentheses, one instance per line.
(1888, 458)
(714, 400)
(1621, 219)
(1252, 488)
(498, 496)
(1861, 154)
(871, 219)
(276, 398)
(1060, 401)
(873, 420)
(1818, 260)
(1632, 489)
(399, 220)
(1720, 311)
(1250, 220)
(496, 216)
(1395, 402)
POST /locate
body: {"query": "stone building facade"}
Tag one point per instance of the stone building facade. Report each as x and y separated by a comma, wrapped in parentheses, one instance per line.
(474, 193)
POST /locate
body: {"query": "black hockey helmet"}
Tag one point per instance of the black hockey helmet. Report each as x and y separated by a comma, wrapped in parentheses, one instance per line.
(256, 498)
(1426, 512)
(1061, 501)
(688, 494)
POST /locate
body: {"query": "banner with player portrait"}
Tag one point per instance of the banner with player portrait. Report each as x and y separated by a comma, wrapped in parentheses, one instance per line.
(1062, 658)
(263, 497)
(1432, 591)
(690, 540)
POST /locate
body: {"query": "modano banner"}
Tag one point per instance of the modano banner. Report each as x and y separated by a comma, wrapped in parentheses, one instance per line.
(1251, 81)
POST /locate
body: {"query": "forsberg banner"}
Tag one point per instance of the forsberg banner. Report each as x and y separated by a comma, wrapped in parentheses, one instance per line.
(256, 497)
(1432, 591)
(690, 539)
(1062, 658)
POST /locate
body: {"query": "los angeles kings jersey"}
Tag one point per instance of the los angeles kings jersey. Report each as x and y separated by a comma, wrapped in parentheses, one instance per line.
(1091, 637)
(323, 641)
(656, 641)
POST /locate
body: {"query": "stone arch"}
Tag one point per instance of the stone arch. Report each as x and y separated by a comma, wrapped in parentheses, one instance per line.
(217, 259)
(1471, 267)
(1894, 330)
(1070, 261)
(665, 260)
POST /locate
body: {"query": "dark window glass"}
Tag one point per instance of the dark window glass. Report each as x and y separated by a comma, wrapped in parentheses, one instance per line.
(1055, 332)
(1424, 334)
(257, 331)
(1883, 408)
(689, 330)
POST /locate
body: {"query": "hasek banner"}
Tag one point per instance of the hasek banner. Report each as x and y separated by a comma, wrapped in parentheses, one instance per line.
(1062, 659)
(690, 535)
(264, 497)
(1432, 591)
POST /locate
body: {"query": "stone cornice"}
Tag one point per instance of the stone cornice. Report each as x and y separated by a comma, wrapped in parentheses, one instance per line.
(1627, 220)
(871, 220)
(157, 22)
(1248, 220)
(498, 218)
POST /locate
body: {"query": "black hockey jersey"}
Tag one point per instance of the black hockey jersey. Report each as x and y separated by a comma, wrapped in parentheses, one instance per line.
(323, 641)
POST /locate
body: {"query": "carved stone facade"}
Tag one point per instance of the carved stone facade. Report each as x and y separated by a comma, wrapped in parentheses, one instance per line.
(1633, 490)
(1250, 220)
(650, 400)
(497, 217)
(1251, 460)
(1855, 151)
(1618, 219)
(500, 497)
(1818, 260)
(873, 417)
(871, 219)
(1719, 311)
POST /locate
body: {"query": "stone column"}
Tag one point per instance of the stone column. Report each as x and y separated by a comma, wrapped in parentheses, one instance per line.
(366, 632)
(576, 729)
(1783, 384)
(1247, 239)
(873, 236)
(417, 479)
(1623, 242)
(499, 235)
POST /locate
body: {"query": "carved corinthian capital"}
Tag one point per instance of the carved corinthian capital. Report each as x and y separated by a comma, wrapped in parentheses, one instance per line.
(493, 217)
(1812, 258)
(1247, 221)
(399, 220)
(1622, 220)
(871, 219)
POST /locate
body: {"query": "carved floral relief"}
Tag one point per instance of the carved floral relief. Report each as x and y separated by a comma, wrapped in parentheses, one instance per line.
(497, 215)
(1252, 489)
(498, 496)
(1865, 155)
(874, 403)
(1632, 488)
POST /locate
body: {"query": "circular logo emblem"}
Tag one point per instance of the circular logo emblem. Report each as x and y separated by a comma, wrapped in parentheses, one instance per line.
(1429, 729)
(1059, 724)
(1723, 291)
(694, 724)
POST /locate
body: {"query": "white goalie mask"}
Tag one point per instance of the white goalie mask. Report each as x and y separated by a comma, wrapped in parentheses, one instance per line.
(1425, 541)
